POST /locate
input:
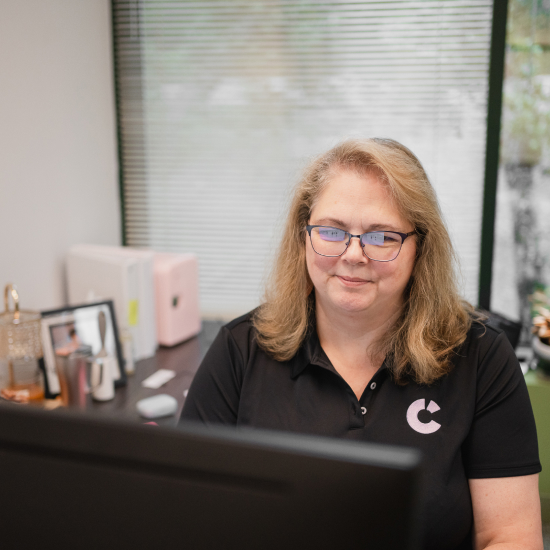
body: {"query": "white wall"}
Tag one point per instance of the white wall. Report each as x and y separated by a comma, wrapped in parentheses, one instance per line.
(58, 158)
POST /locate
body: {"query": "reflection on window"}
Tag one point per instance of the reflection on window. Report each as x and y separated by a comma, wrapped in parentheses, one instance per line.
(522, 243)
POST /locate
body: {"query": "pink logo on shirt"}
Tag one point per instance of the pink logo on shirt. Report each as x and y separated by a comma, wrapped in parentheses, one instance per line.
(412, 417)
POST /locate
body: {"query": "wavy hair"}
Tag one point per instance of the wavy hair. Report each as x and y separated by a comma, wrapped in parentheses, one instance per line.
(434, 319)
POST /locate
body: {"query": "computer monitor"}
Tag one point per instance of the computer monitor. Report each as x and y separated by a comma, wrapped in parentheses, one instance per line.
(72, 481)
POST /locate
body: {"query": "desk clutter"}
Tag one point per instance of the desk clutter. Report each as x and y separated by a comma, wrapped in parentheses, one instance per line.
(156, 295)
(123, 303)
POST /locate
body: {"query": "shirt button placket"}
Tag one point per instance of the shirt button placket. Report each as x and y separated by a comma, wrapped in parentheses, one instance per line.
(357, 415)
(372, 386)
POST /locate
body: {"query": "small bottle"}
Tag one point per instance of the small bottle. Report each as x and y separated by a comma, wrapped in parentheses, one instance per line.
(127, 343)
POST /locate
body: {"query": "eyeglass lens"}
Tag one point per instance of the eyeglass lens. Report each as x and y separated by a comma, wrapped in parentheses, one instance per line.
(378, 245)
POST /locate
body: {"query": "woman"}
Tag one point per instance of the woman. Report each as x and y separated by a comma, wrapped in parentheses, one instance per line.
(363, 336)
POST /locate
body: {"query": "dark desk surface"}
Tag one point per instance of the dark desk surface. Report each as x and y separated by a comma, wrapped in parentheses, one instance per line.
(184, 359)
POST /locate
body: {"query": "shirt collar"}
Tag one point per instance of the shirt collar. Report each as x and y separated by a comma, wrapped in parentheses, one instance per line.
(310, 353)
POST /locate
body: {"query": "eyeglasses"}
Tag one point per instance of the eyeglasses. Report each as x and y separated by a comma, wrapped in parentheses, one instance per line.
(380, 246)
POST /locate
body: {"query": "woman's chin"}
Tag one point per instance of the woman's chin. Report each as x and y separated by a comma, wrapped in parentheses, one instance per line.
(351, 304)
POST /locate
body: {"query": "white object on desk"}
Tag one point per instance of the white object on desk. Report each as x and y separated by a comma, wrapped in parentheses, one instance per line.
(157, 406)
(106, 277)
(157, 379)
(127, 343)
(102, 378)
(132, 288)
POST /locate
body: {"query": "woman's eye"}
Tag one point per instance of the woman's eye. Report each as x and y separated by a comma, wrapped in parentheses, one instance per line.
(375, 238)
(331, 234)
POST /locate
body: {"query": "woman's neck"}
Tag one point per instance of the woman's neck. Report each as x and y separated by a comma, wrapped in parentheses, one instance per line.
(353, 330)
(349, 341)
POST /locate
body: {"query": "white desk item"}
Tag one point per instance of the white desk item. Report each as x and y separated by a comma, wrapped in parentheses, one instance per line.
(139, 315)
(127, 344)
(157, 406)
(102, 380)
(102, 322)
(104, 368)
(159, 378)
(93, 278)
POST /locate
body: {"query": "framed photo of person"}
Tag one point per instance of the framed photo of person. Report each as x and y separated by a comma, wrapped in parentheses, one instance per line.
(78, 330)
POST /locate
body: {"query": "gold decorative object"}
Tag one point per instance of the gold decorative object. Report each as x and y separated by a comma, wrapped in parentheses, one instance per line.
(21, 348)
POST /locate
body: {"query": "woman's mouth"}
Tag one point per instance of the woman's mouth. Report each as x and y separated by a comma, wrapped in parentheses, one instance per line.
(352, 281)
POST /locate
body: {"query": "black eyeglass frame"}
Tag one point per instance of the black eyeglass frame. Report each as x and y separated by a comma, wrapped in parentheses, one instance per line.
(350, 236)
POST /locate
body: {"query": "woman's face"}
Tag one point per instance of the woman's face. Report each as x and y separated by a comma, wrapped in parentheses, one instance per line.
(352, 283)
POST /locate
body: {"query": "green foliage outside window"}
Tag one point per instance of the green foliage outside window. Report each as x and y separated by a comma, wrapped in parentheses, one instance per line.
(525, 148)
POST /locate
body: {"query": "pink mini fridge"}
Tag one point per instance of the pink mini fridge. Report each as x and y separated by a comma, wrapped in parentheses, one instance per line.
(176, 297)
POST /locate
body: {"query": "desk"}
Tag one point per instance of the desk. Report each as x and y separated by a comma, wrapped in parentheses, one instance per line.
(183, 359)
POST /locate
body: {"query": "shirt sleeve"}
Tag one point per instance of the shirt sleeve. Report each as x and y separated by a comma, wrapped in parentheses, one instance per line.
(214, 394)
(503, 439)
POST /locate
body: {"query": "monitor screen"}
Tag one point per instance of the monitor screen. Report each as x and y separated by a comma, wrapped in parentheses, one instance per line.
(79, 482)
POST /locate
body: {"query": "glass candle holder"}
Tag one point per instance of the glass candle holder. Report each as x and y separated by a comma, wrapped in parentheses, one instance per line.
(20, 350)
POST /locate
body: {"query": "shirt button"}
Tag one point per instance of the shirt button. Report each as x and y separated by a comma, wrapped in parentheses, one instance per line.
(373, 386)
(364, 410)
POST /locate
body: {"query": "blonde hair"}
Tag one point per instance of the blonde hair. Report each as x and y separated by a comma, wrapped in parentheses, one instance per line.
(434, 319)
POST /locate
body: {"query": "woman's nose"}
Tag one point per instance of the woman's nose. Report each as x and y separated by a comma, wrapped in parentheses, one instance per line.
(354, 252)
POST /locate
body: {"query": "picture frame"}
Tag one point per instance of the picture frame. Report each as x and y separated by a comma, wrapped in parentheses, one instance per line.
(76, 329)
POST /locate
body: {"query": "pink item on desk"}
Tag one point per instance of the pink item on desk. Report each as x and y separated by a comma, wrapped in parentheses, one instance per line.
(176, 297)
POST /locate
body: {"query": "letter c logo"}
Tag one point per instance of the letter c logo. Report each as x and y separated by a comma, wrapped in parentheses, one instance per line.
(412, 417)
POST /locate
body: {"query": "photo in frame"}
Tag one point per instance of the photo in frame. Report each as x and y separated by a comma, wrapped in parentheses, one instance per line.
(75, 330)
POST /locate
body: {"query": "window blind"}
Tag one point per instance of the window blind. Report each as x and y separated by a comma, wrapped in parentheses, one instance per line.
(222, 103)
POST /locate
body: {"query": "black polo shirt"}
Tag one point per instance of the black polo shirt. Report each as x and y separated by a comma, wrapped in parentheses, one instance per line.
(476, 422)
